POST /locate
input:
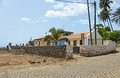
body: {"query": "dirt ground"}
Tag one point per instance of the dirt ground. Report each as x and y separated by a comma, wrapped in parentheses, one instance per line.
(8, 59)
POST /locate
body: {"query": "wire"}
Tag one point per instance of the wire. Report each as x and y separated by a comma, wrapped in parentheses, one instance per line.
(72, 2)
(73, 19)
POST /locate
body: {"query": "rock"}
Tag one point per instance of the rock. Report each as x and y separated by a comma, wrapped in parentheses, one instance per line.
(44, 60)
(31, 62)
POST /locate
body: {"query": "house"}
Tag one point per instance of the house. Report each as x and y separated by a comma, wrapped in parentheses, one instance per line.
(67, 33)
(74, 39)
(40, 41)
(84, 38)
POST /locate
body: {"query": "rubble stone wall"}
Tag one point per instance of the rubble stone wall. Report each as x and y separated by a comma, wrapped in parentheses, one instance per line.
(52, 51)
(94, 50)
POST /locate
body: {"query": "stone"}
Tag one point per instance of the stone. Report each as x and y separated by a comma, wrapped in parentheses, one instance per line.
(88, 50)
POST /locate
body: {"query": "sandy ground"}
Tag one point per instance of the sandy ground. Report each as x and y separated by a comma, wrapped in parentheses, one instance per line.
(105, 66)
(17, 60)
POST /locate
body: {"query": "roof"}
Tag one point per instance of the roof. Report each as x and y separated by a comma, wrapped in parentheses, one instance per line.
(68, 31)
(64, 36)
(40, 38)
(75, 36)
(72, 36)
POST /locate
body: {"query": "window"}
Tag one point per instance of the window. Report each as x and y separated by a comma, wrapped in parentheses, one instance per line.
(80, 42)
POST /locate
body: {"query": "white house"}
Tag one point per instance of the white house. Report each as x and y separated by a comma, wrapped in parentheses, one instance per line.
(84, 38)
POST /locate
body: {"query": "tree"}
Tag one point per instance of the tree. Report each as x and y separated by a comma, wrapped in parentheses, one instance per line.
(104, 15)
(98, 26)
(115, 36)
(116, 16)
(107, 35)
(105, 4)
(56, 35)
(103, 31)
(105, 12)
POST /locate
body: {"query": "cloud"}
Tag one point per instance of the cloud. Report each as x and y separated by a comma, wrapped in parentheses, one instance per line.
(82, 21)
(45, 20)
(59, 5)
(28, 20)
(25, 19)
(51, 1)
(115, 5)
(23, 31)
(64, 10)
(52, 13)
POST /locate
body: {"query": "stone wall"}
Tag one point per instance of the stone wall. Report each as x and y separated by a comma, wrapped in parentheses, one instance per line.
(3, 50)
(52, 51)
(16, 47)
(94, 50)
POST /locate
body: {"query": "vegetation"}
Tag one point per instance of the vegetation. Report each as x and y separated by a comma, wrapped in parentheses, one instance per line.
(115, 36)
(30, 43)
(56, 35)
(106, 33)
(106, 16)
(105, 12)
(116, 16)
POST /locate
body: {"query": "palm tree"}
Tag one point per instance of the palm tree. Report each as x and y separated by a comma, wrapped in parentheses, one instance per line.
(105, 12)
(104, 15)
(105, 4)
(56, 35)
(116, 16)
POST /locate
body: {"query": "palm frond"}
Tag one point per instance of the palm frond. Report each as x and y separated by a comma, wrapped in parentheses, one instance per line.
(116, 16)
(65, 39)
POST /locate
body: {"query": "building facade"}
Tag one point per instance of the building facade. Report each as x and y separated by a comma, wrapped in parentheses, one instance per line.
(84, 39)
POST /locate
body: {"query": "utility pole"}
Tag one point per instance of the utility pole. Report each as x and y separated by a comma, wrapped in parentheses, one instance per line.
(95, 22)
(88, 18)
(89, 21)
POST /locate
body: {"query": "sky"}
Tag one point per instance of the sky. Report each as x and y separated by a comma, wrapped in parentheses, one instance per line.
(21, 20)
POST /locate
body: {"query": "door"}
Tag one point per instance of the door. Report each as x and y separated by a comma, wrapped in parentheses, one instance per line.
(75, 42)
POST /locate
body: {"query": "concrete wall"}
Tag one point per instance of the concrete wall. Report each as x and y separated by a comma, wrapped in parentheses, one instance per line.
(40, 42)
(69, 51)
(93, 50)
(87, 39)
(36, 42)
(99, 38)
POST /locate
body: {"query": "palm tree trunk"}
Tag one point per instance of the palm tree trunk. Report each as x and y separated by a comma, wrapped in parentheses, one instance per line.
(110, 23)
(104, 23)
